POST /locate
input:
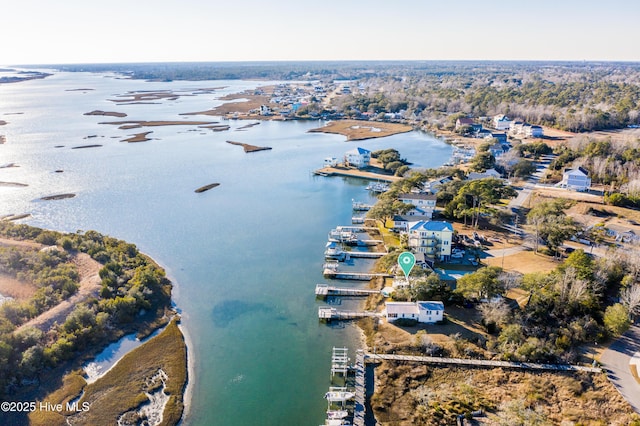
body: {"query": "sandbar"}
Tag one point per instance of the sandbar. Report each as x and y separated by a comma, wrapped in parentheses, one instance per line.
(138, 137)
(13, 184)
(247, 126)
(107, 113)
(57, 197)
(85, 146)
(216, 127)
(126, 125)
(250, 148)
(146, 96)
(207, 187)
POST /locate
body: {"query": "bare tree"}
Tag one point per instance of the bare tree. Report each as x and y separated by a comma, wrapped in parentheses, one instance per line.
(571, 288)
(630, 299)
(495, 311)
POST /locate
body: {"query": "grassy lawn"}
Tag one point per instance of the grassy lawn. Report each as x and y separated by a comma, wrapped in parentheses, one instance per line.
(390, 239)
(524, 262)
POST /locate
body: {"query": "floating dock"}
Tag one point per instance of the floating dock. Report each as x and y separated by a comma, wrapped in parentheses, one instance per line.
(325, 290)
(327, 313)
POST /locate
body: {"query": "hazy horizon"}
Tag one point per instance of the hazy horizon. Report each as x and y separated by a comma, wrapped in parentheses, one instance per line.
(145, 31)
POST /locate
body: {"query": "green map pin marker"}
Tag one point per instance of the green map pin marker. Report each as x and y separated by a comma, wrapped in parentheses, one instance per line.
(406, 261)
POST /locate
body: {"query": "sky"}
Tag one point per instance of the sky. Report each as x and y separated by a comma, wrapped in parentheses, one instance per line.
(106, 31)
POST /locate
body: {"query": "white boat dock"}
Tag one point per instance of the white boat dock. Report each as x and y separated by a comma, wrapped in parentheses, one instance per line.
(360, 207)
(325, 290)
(339, 361)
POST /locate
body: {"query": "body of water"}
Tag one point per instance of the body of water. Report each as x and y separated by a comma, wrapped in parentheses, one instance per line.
(244, 257)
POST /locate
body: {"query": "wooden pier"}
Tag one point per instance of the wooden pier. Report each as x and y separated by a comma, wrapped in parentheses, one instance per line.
(356, 229)
(327, 313)
(359, 408)
(325, 290)
(364, 254)
(376, 358)
(333, 273)
(368, 243)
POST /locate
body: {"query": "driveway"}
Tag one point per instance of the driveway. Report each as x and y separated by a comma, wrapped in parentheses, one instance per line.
(615, 361)
(530, 184)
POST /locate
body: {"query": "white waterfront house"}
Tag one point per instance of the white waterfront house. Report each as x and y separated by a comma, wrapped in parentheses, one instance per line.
(533, 131)
(401, 222)
(577, 179)
(424, 204)
(501, 122)
(433, 186)
(423, 311)
(358, 157)
(433, 238)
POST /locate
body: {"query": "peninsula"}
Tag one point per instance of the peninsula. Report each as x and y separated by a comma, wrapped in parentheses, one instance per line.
(102, 290)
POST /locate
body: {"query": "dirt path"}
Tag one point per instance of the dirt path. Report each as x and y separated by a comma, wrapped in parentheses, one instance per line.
(89, 287)
(20, 243)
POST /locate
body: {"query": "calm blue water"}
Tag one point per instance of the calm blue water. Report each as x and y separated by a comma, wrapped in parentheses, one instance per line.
(244, 257)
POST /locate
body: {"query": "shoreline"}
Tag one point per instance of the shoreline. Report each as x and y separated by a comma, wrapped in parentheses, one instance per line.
(187, 393)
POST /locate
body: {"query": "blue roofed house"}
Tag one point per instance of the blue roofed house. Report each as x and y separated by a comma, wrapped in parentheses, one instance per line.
(427, 312)
(358, 157)
(433, 238)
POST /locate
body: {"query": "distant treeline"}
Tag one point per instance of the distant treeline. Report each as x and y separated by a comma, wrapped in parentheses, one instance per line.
(575, 96)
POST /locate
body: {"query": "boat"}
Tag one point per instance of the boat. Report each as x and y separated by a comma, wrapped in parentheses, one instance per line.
(337, 414)
(337, 422)
(359, 206)
(378, 187)
(339, 395)
(331, 265)
(341, 236)
(333, 250)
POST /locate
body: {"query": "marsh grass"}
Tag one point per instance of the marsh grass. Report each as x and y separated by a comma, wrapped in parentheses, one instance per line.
(122, 388)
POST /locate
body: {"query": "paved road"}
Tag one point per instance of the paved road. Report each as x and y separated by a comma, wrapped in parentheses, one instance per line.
(525, 192)
(615, 362)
